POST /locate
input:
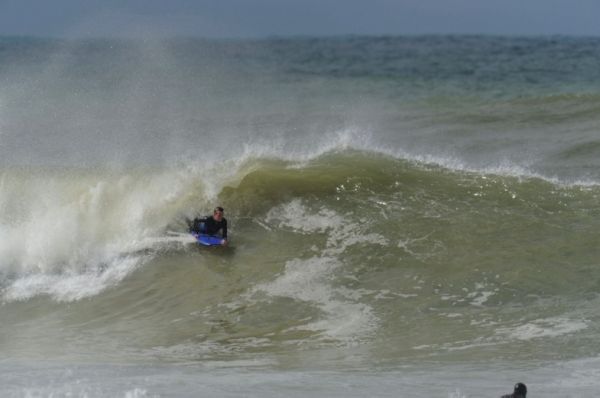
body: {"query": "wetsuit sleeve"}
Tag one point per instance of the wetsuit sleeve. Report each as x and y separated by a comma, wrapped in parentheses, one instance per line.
(196, 226)
(224, 229)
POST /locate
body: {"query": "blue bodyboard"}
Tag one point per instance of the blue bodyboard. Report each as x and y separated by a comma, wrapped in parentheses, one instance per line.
(208, 240)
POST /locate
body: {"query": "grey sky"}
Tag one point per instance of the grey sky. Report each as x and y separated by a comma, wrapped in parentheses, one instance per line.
(258, 18)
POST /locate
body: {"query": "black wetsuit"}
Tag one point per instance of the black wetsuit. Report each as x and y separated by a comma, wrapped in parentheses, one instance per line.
(209, 226)
(520, 391)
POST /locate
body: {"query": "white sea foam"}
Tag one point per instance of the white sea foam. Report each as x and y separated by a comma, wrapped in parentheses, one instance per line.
(500, 167)
(539, 328)
(421, 247)
(548, 327)
(363, 139)
(71, 237)
(295, 216)
(479, 296)
(72, 286)
(346, 318)
(138, 393)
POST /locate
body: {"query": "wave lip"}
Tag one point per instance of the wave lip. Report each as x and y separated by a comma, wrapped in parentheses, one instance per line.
(74, 224)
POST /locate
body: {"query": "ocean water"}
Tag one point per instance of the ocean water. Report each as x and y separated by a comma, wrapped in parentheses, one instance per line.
(409, 216)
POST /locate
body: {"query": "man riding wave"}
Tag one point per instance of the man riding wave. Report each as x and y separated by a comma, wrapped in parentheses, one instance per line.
(210, 225)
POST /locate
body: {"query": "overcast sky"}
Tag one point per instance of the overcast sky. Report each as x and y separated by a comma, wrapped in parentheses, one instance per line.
(259, 18)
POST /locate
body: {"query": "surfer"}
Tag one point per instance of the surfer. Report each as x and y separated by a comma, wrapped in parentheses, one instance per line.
(210, 225)
(519, 392)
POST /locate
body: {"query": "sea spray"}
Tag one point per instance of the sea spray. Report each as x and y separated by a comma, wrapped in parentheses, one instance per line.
(414, 214)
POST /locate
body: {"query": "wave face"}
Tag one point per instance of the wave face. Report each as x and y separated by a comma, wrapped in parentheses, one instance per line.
(391, 200)
(351, 249)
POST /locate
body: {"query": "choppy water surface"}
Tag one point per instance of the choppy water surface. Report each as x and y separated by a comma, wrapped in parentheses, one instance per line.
(407, 214)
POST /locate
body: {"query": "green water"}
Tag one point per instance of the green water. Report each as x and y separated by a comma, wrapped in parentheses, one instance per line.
(398, 207)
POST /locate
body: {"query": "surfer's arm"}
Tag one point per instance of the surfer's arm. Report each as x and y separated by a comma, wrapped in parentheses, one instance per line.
(195, 225)
(224, 230)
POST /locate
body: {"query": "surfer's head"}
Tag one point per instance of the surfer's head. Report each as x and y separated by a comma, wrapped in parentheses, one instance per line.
(520, 390)
(218, 213)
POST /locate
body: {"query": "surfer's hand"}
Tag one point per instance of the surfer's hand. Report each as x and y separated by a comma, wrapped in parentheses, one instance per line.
(224, 242)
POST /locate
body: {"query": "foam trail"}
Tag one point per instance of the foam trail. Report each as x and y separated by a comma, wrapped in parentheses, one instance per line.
(72, 237)
(345, 318)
